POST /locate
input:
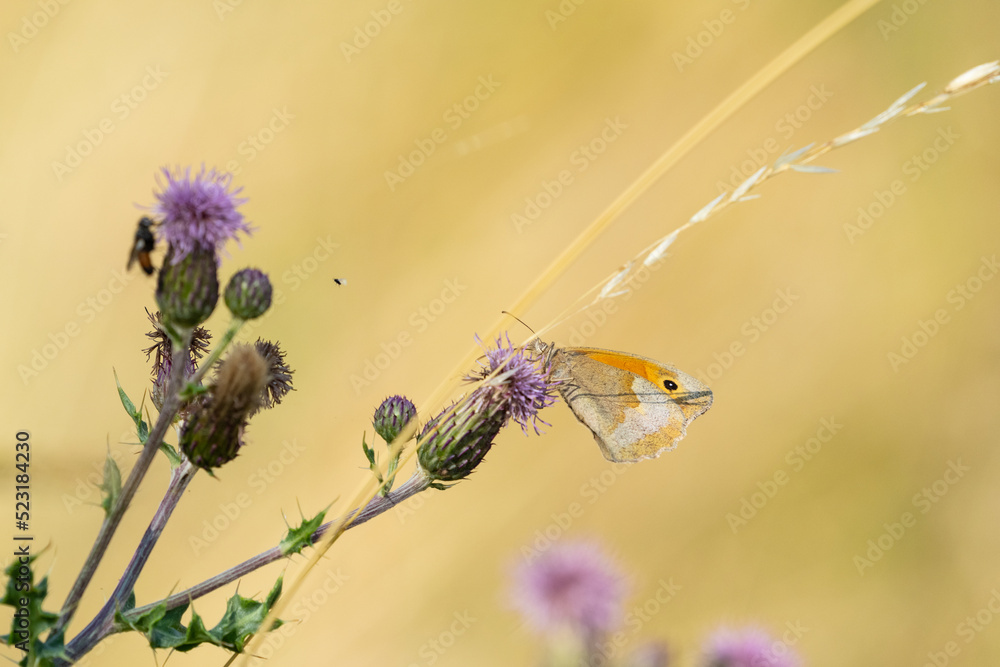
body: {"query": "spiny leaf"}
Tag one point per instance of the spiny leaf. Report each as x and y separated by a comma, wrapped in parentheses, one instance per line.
(163, 628)
(23, 593)
(126, 401)
(111, 486)
(141, 428)
(299, 538)
(243, 618)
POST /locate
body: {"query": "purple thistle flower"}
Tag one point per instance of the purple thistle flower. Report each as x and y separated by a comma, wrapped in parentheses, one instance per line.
(749, 647)
(524, 380)
(574, 585)
(198, 212)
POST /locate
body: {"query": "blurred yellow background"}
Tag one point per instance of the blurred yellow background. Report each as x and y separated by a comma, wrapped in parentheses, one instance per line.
(311, 114)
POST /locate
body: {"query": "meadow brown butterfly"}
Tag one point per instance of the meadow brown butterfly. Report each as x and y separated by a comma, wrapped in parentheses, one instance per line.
(635, 407)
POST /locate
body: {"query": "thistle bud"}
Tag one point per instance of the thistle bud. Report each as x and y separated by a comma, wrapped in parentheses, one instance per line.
(455, 442)
(188, 288)
(213, 434)
(390, 417)
(248, 294)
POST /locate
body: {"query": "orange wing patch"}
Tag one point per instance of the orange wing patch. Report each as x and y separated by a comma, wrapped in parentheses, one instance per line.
(632, 364)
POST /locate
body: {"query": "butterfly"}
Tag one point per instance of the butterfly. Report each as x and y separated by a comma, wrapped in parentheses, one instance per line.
(143, 244)
(635, 407)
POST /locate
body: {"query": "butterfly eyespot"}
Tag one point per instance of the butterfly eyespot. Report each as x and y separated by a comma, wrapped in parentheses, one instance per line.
(670, 385)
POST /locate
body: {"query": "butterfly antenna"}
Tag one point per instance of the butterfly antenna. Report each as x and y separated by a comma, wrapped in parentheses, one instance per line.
(505, 312)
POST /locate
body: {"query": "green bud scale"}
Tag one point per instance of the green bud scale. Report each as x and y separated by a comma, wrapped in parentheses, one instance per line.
(248, 294)
(452, 444)
(390, 417)
(188, 291)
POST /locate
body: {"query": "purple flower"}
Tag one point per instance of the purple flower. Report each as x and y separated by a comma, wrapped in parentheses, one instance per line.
(574, 585)
(198, 212)
(525, 382)
(749, 647)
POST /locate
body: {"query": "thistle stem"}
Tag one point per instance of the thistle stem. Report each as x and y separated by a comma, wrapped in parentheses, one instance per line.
(103, 623)
(234, 327)
(170, 406)
(89, 638)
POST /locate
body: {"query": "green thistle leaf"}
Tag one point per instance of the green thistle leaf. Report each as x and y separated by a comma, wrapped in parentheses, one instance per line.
(38, 620)
(163, 628)
(299, 538)
(111, 486)
(142, 428)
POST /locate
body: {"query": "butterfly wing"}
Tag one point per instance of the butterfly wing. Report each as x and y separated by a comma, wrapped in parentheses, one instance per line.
(635, 407)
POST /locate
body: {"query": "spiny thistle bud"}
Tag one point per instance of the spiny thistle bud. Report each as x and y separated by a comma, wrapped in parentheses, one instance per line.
(455, 442)
(390, 417)
(212, 435)
(187, 290)
(248, 295)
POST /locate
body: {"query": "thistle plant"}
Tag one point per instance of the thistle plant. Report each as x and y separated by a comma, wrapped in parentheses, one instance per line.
(210, 396)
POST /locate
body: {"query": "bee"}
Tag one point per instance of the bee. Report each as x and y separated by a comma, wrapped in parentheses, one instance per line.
(143, 245)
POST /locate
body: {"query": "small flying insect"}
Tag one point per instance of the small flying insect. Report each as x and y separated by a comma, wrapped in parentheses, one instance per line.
(340, 281)
(143, 245)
